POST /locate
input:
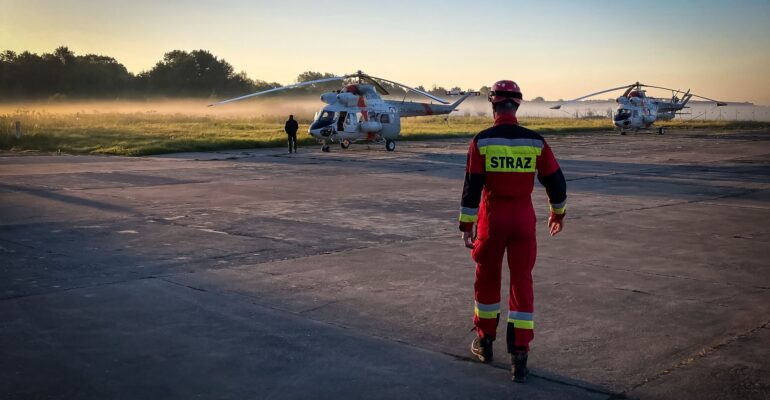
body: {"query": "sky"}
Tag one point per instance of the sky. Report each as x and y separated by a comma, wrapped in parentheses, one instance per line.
(554, 49)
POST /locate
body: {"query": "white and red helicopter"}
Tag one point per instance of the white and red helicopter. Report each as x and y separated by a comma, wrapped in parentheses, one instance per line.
(638, 111)
(357, 112)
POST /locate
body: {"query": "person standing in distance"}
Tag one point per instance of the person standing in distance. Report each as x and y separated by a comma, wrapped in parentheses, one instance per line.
(291, 128)
(497, 217)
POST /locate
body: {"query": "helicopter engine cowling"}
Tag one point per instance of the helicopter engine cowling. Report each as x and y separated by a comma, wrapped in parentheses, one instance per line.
(635, 101)
(622, 100)
(370, 126)
(348, 99)
(329, 98)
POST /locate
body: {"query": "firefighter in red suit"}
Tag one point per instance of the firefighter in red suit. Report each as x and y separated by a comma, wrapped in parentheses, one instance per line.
(497, 217)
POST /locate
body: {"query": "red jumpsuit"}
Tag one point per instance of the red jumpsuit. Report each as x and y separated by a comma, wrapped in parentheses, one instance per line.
(499, 177)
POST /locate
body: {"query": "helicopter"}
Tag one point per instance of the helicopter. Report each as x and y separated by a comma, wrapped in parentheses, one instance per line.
(638, 111)
(358, 112)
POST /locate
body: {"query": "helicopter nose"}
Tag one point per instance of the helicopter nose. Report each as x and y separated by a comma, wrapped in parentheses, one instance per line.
(320, 132)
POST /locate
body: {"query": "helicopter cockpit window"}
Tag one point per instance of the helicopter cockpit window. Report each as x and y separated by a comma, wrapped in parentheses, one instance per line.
(385, 118)
(622, 114)
(327, 116)
(322, 119)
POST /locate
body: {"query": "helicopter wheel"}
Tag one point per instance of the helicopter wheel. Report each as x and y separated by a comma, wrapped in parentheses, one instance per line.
(390, 145)
(661, 131)
(325, 148)
(622, 132)
(345, 144)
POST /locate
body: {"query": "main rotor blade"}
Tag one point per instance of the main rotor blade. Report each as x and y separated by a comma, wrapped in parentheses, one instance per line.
(558, 106)
(296, 85)
(719, 103)
(440, 100)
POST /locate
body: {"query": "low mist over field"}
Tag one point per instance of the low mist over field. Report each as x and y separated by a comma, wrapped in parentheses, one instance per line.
(304, 107)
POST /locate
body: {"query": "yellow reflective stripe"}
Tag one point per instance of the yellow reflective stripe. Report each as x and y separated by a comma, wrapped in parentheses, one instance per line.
(499, 158)
(468, 218)
(522, 324)
(487, 314)
(559, 210)
(497, 149)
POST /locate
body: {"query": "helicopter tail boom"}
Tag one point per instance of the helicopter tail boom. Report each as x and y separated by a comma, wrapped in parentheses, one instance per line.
(461, 99)
(447, 109)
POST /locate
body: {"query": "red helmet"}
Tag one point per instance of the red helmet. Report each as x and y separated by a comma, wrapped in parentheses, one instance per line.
(504, 90)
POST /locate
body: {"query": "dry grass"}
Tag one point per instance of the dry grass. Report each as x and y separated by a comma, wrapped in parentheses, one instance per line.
(144, 133)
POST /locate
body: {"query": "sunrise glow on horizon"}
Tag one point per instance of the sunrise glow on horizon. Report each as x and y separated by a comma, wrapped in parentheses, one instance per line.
(553, 49)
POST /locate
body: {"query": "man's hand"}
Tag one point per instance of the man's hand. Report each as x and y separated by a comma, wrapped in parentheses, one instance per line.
(555, 225)
(470, 238)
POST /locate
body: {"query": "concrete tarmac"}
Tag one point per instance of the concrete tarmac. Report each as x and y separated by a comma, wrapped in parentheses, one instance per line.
(256, 274)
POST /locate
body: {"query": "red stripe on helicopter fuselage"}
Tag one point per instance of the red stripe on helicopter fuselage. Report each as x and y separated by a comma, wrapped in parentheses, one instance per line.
(362, 106)
(428, 110)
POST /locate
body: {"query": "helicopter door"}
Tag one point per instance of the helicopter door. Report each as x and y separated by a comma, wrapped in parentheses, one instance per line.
(341, 121)
(351, 122)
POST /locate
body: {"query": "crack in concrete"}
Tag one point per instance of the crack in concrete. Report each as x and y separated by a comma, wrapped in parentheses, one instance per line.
(750, 191)
(699, 355)
(612, 174)
(663, 168)
(27, 246)
(230, 257)
(382, 244)
(316, 308)
(181, 284)
(642, 292)
(636, 271)
(69, 289)
(637, 291)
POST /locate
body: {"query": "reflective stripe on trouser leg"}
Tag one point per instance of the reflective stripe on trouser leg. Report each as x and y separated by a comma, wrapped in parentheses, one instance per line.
(485, 318)
(488, 254)
(520, 330)
(521, 260)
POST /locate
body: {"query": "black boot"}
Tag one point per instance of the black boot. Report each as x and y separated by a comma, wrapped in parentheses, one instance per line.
(482, 349)
(519, 366)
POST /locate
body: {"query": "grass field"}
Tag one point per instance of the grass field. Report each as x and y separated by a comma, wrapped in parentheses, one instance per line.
(136, 134)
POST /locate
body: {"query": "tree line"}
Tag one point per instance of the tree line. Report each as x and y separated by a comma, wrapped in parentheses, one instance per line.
(63, 73)
(198, 73)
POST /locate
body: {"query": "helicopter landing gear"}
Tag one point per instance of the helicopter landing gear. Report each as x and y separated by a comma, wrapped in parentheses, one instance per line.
(345, 144)
(622, 132)
(661, 131)
(325, 148)
(390, 145)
